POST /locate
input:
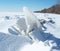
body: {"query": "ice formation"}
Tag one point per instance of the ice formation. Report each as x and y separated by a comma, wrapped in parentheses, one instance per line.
(17, 34)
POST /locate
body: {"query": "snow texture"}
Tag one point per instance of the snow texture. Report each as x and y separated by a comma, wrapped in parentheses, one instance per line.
(20, 31)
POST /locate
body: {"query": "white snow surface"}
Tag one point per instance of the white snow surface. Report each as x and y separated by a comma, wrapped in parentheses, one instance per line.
(12, 40)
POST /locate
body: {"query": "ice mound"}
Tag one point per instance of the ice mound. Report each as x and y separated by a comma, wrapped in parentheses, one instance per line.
(12, 42)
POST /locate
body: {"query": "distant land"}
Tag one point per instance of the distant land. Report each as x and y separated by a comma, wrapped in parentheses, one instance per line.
(54, 9)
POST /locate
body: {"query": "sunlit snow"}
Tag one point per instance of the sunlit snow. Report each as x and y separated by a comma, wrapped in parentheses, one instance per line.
(13, 36)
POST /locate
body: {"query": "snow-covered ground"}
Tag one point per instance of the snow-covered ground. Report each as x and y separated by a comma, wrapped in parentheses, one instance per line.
(11, 38)
(51, 28)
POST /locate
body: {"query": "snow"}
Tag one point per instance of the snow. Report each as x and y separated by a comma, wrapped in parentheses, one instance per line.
(51, 28)
(12, 39)
(12, 42)
(36, 47)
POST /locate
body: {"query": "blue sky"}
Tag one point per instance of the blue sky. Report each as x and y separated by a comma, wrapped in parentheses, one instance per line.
(17, 5)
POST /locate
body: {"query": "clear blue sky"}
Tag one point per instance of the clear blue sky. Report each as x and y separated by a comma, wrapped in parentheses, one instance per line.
(17, 5)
